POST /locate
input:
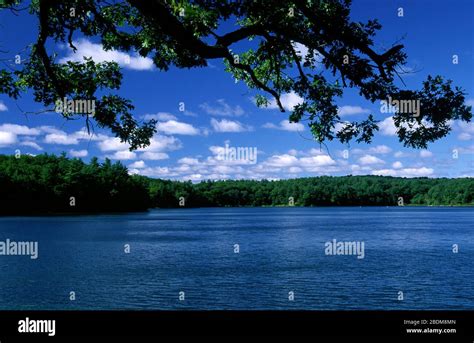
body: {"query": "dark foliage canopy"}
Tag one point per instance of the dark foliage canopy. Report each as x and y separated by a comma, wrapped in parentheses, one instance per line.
(189, 34)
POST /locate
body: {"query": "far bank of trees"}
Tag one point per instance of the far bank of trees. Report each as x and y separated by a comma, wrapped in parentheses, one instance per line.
(52, 184)
(56, 184)
(316, 191)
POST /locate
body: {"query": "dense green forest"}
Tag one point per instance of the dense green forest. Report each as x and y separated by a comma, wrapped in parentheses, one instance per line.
(52, 184)
(49, 183)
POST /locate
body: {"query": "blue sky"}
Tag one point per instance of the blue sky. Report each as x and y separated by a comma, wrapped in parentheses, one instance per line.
(218, 111)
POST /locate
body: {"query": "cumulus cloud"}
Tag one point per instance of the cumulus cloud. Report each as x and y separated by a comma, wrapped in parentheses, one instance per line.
(426, 153)
(154, 156)
(288, 101)
(86, 48)
(351, 110)
(61, 138)
(156, 172)
(400, 154)
(7, 138)
(377, 150)
(3, 107)
(315, 163)
(464, 136)
(397, 165)
(405, 172)
(387, 127)
(285, 125)
(123, 155)
(78, 153)
(137, 165)
(225, 125)
(301, 49)
(279, 161)
(20, 129)
(158, 143)
(466, 130)
(188, 160)
(380, 149)
(162, 116)
(173, 127)
(31, 144)
(112, 144)
(222, 108)
(370, 159)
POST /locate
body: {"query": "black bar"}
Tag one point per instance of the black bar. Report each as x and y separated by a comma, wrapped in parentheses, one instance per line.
(243, 323)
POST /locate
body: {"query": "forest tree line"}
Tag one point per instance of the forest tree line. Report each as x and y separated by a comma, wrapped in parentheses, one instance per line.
(57, 184)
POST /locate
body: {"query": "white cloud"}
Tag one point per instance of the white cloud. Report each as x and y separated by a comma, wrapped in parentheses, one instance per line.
(340, 126)
(123, 155)
(467, 130)
(288, 101)
(285, 125)
(32, 144)
(425, 153)
(188, 160)
(112, 144)
(399, 154)
(387, 127)
(160, 143)
(7, 138)
(3, 107)
(50, 129)
(137, 165)
(470, 102)
(295, 170)
(311, 164)
(406, 172)
(78, 153)
(194, 177)
(222, 109)
(86, 48)
(351, 110)
(61, 138)
(171, 127)
(158, 172)
(464, 136)
(20, 129)
(155, 156)
(228, 126)
(369, 159)
(380, 149)
(86, 136)
(163, 116)
(284, 160)
(301, 49)
(397, 165)
(317, 161)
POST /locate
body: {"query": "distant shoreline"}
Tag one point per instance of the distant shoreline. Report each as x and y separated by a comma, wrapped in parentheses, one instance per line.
(56, 185)
(119, 213)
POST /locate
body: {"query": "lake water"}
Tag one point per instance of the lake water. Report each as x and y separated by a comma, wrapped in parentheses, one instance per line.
(281, 250)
